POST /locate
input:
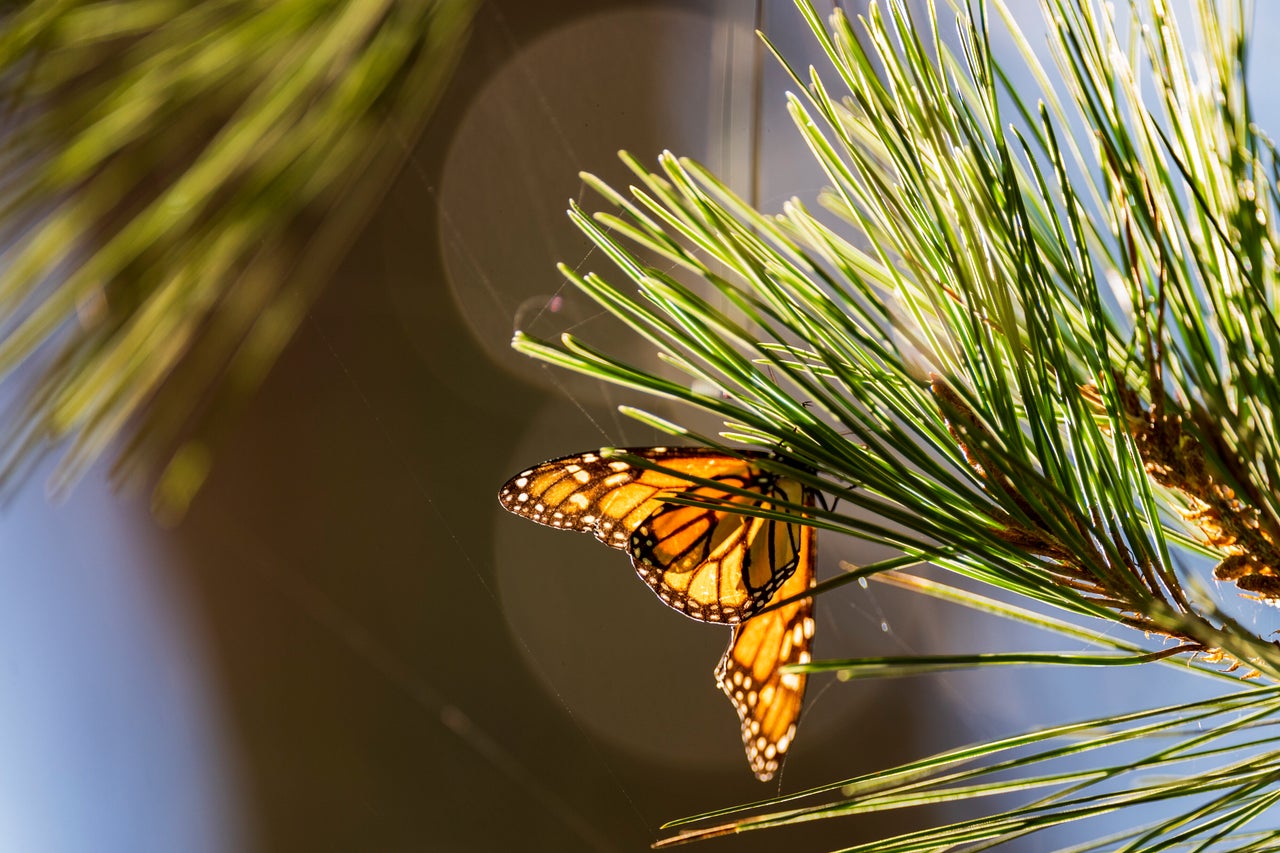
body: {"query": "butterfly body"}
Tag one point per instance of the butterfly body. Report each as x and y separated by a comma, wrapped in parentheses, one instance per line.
(710, 561)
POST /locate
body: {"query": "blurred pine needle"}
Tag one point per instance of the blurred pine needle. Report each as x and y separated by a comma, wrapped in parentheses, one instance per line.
(178, 181)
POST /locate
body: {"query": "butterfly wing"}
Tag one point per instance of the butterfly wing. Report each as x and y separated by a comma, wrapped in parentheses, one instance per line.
(712, 563)
(767, 700)
(609, 497)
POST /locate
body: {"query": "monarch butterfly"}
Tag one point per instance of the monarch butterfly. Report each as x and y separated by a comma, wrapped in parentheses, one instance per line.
(710, 564)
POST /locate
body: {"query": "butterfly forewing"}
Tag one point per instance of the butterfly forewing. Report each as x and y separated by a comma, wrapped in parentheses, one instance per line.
(767, 700)
(711, 564)
(604, 496)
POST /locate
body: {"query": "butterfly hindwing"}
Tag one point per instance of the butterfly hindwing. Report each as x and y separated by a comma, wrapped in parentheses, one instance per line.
(768, 700)
(713, 563)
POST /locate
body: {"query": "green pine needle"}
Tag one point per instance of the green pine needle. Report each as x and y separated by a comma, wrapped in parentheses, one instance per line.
(1039, 357)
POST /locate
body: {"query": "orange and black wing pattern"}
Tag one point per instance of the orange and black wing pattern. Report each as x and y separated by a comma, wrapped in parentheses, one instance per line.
(712, 564)
(768, 700)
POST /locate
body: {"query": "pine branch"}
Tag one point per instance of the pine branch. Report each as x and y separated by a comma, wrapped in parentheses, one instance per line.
(1050, 370)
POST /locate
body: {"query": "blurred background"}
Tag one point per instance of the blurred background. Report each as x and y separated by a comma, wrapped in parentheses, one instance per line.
(347, 645)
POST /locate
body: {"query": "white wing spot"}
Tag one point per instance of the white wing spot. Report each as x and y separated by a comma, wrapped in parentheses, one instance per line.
(524, 496)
